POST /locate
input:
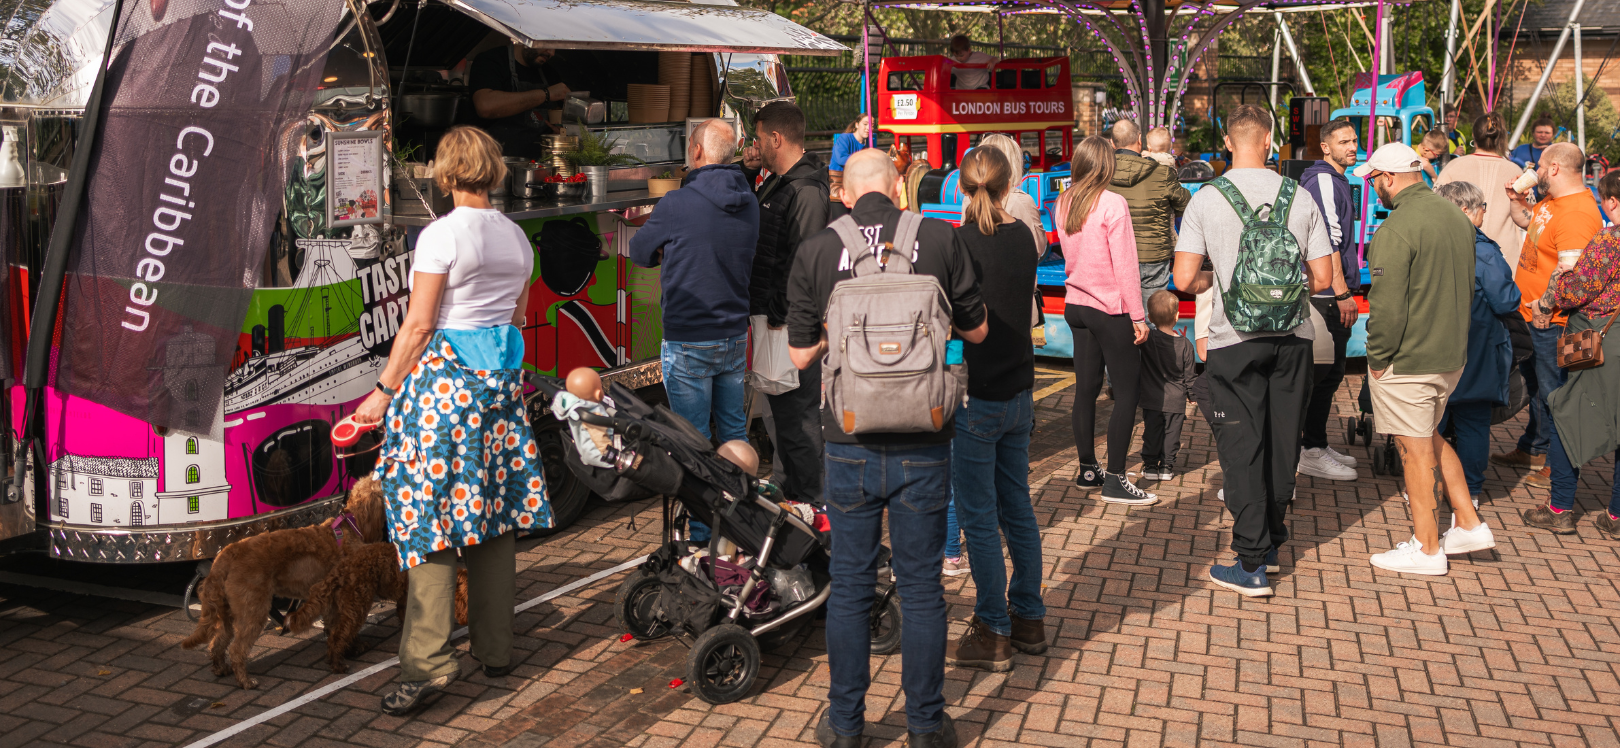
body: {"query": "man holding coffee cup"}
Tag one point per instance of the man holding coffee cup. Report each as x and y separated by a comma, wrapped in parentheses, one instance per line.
(1556, 229)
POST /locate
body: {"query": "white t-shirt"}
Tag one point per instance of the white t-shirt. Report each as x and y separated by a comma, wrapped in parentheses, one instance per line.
(1210, 227)
(488, 261)
(970, 78)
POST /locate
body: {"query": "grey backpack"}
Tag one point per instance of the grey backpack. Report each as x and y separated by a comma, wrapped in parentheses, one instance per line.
(887, 328)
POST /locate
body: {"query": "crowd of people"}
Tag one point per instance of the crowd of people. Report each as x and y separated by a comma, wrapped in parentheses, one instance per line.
(1273, 272)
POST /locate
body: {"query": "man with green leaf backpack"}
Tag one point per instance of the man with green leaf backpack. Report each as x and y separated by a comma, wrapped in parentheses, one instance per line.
(1269, 251)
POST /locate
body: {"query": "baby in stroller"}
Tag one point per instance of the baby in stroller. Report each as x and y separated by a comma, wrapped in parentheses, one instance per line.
(758, 579)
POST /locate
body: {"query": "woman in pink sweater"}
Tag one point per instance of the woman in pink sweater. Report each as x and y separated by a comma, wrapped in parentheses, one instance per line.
(1103, 306)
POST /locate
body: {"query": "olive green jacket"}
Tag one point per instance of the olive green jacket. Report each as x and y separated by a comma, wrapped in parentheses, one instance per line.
(1156, 199)
(1421, 262)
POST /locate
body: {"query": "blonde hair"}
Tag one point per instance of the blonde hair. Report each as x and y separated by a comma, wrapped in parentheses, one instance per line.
(984, 180)
(1436, 140)
(1163, 308)
(469, 160)
(1158, 140)
(1013, 152)
(1092, 169)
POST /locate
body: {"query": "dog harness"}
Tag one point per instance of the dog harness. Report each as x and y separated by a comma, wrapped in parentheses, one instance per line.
(337, 527)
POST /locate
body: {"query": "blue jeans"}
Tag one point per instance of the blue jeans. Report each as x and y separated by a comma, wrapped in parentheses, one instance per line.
(1155, 278)
(1542, 368)
(953, 533)
(1565, 476)
(1471, 424)
(704, 379)
(913, 484)
(990, 483)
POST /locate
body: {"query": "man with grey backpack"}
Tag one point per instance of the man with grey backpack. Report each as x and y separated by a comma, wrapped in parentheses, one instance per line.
(1270, 251)
(875, 298)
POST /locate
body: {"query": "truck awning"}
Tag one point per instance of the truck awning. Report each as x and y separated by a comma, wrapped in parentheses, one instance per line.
(646, 25)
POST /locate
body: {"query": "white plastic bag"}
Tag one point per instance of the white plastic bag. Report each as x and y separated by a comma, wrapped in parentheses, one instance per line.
(773, 372)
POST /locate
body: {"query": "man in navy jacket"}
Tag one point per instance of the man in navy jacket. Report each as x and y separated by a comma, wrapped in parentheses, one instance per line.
(1325, 182)
(703, 236)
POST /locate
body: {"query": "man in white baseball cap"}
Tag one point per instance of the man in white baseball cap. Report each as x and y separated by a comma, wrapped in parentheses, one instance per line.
(1421, 262)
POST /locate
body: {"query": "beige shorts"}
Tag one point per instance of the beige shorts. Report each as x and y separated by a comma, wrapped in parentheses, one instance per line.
(1410, 404)
(1321, 339)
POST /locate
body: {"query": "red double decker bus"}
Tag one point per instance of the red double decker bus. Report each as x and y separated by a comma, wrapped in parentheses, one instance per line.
(916, 98)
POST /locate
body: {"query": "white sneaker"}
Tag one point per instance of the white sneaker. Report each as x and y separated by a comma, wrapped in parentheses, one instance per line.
(1409, 558)
(1318, 464)
(1457, 540)
(1340, 457)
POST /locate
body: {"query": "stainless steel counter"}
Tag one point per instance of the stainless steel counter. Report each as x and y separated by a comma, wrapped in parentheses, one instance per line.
(411, 212)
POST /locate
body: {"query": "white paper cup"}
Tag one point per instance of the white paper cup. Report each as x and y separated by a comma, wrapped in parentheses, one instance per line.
(1567, 258)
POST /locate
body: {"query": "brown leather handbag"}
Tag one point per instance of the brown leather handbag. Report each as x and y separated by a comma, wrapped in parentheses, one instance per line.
(1584, 349)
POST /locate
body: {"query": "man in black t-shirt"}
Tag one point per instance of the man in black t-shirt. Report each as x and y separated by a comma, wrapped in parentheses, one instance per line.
(512, 89)
(907, 474)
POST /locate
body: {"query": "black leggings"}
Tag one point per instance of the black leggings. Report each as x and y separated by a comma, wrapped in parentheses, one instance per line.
(1102, 339)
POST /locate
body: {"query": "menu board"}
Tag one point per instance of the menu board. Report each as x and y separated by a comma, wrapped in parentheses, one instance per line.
(354, 185)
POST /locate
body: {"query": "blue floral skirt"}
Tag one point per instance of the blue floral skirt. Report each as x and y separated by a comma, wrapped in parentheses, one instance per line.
(459, 463)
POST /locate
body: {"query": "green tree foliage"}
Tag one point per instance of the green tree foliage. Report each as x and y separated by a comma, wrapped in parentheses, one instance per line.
(1558, 102)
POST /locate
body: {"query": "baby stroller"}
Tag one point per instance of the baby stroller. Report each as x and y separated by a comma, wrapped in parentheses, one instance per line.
(758, 579)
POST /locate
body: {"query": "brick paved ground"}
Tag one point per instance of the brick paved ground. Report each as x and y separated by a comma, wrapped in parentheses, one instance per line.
(1516, 646)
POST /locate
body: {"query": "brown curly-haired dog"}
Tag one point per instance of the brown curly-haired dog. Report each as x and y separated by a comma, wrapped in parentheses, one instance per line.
(343, 599)
(235, 596)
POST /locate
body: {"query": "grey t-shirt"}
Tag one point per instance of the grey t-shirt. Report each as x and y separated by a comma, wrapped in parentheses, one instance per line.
(1211, 227)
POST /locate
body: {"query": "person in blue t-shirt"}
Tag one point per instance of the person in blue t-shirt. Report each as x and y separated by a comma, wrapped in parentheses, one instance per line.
(1541, 136)
(846, 144)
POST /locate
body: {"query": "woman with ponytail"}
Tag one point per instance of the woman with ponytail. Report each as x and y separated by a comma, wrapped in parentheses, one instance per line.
(990, 454)
(1103, 306)
(1488, 168)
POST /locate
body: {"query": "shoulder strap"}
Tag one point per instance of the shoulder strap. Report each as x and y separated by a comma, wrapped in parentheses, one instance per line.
(1284, 202)
(1233, 198)
(850, 233)
(1605, 332)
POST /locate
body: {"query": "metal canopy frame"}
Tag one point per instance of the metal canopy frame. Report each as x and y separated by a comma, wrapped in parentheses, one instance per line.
(1138, 33)
(646, 25)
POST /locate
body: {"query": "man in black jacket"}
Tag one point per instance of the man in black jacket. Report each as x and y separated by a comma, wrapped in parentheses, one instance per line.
(792, 207)
(906, 474)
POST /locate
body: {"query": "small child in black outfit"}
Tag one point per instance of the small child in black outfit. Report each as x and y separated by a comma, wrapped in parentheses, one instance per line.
(1168, 371)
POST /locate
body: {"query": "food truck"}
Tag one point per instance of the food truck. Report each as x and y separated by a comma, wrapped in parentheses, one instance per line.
(92, 481)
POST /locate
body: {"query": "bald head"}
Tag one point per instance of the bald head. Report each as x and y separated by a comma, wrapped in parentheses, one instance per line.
(869, 170)
(1127, 135)
(713, 142)
(1560, 169)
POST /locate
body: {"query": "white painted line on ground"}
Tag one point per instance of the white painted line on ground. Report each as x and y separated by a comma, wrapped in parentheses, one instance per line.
(354, 678)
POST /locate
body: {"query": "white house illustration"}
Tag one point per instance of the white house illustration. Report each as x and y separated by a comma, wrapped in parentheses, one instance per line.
(194, 486)
(105, 491)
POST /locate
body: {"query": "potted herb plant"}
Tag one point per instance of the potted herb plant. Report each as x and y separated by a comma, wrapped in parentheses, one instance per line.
(593, 159)
(663, 184)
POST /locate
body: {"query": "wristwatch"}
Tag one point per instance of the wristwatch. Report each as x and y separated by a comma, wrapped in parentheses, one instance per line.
(1346, 296)
(385, 390)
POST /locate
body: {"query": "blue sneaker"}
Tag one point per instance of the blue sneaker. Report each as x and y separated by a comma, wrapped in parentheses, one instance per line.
(1273, 563)
(1240, 580)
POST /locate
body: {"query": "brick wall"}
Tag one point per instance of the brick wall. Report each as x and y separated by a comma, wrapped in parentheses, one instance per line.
(1527, 69)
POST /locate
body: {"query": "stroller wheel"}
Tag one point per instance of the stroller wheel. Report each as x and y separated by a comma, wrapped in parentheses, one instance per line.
(723, 664)
(1350, 430)
(886, 622)
(634, 606)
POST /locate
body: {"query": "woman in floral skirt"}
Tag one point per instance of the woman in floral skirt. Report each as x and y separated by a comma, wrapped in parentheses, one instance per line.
(459, 466)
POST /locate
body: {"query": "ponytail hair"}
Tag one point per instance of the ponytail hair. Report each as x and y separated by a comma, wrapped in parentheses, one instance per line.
(1092, 170)
(984, 178)
(1491, 133)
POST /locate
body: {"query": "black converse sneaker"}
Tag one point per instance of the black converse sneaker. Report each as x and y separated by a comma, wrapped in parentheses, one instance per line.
(1089, 476)
(1118, 490)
